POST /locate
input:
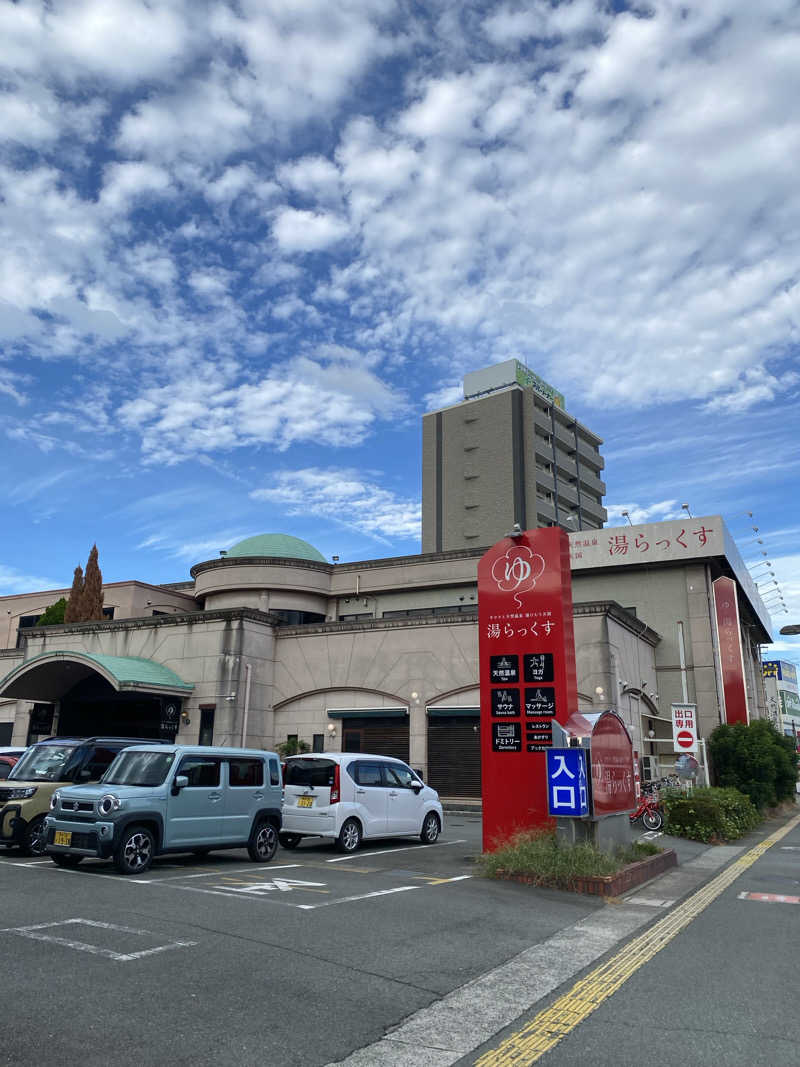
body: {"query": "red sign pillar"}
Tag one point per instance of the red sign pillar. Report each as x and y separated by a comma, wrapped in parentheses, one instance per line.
(726, 605)
(526, 649)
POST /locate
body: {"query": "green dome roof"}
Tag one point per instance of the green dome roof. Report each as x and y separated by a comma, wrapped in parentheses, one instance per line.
(281, 545)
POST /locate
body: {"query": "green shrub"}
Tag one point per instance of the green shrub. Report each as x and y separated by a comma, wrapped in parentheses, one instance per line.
(706, 814)
(541, 855)
(292, 746)
(755, 759)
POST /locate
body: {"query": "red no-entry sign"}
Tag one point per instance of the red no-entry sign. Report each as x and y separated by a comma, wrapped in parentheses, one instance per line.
(685, 739)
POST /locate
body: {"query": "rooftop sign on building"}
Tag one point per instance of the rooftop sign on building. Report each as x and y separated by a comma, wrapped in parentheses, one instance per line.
(780, 669)
(672, 541)
(512, 372)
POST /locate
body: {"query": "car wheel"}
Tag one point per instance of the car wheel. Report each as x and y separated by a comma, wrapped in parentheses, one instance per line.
(134, 851)
(430, 828)
(65, 860)
(349, 836)
(35, 840)
(263, 842)
(289, 840)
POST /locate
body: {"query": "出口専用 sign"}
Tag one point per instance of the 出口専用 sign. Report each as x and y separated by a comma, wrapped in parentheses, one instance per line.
(684, 727)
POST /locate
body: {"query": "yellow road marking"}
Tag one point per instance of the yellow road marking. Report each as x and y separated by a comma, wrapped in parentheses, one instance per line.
(552, 1024)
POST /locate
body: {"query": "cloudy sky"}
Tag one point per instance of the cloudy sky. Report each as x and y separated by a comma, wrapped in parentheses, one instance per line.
(245, 245)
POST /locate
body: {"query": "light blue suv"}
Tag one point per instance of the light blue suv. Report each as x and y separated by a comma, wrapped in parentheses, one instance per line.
(169, 798)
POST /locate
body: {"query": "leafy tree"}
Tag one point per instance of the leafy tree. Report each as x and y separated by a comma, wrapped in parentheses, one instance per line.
(73, 608)
(92, 599)
(54, 614)
(755, 759)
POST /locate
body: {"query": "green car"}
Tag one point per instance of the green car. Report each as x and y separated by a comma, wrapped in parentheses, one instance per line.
(58, 761)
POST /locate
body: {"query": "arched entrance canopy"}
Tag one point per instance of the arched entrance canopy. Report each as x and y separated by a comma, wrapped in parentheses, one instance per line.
(48, 676)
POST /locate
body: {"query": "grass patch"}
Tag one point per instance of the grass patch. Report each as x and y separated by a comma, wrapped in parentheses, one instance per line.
(539, 854)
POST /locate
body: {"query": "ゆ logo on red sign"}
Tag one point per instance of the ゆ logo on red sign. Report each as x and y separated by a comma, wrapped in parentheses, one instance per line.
(518, 570)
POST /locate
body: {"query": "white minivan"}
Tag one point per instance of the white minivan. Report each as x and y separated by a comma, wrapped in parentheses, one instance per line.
(347, 796)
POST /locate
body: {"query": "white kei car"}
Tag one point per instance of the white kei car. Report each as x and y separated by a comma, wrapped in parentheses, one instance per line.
(350, 796)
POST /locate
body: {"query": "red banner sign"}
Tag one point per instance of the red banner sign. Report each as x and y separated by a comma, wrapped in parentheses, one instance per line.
(527, 674)
(730, 650)
(613, 785)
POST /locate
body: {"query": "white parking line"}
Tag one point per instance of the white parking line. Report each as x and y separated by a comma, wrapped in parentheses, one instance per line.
(388, 851)
(362, 896)
(217, 874)
(35, 934)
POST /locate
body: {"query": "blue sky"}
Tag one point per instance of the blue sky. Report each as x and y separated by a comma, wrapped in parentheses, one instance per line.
(246, 245)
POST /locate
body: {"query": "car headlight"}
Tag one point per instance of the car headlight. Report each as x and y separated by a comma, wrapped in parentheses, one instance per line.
(21, 794)
(54, 800)
(108, 803)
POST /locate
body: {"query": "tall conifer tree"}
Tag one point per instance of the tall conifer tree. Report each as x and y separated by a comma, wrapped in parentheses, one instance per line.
(72, 612)
(92, 600)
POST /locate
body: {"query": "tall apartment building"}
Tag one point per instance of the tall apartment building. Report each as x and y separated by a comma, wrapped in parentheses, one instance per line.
(507, 453)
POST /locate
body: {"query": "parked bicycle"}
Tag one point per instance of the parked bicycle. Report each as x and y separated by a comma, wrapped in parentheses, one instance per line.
(649, 811)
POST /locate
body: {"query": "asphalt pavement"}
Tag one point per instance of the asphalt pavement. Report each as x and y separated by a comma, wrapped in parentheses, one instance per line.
(399, 953)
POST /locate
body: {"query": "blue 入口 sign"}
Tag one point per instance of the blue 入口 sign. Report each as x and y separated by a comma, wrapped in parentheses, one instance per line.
(567, 784)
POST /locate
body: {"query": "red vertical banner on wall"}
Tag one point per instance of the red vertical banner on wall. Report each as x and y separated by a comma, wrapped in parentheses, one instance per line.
(726, 607)
(527, 674)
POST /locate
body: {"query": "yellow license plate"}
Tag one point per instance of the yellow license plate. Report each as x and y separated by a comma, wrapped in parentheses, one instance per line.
(63, 837)
(305, 802)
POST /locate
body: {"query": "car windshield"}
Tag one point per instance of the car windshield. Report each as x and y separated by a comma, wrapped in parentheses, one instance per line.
(139, 768)
(45, 763)
(313, 772)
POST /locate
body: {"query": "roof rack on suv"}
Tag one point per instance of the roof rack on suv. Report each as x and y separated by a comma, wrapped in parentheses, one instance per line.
(105, 737)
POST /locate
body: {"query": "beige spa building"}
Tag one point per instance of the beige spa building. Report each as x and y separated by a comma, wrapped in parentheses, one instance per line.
(271, 640)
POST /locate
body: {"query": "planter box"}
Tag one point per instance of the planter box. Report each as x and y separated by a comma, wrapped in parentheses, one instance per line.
(607, 885)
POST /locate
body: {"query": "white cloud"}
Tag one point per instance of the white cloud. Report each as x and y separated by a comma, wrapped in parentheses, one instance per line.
(201, 120)
(305, 400)
(13, 581)
(345, 497)
(444, 397)
(642, 513)
(307, 231)
(124, 182)
(82, 39)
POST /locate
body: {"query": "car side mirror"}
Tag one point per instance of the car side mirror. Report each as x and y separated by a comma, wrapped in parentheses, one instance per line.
(417, 787)
(181, 781)
(85, 775)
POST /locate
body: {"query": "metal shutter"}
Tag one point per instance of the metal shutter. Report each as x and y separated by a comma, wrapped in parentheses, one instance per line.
(383, 737)
(454, 755)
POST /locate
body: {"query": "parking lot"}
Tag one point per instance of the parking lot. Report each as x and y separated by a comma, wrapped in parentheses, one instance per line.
(309, 877)
(298, 961)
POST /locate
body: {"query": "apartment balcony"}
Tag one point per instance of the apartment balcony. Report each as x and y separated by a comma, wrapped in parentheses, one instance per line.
(589, 480)
(593, 510)
(588, 454)
(565, 465)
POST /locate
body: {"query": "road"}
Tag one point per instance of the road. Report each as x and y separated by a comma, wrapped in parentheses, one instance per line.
(396, 954)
